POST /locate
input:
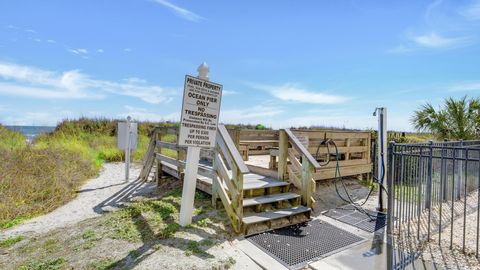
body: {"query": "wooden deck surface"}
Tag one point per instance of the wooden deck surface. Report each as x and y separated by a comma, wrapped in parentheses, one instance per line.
(250, 180)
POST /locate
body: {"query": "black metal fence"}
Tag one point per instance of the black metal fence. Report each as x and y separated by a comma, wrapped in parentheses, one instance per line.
(433, 191)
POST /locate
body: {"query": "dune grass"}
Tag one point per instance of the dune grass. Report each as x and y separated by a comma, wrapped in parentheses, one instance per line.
(39, 177)
(38, 180)
(11, 139)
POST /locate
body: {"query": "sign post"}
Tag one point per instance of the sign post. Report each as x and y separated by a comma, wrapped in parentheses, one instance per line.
(127, 140)
(198, 129)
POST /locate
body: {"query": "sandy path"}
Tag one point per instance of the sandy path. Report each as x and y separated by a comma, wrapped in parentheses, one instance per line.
(99, 194)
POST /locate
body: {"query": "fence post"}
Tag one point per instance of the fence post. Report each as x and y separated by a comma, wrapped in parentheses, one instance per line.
(390, 210)
(459, 169)
(282, 154)
(428, 203)
(306, 180)
(443, 176)
(429, 186)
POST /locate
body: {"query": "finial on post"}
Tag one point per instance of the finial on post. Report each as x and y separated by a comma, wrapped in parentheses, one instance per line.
(203, 70)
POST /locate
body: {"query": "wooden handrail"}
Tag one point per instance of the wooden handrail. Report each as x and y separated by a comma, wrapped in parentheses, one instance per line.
(233, 151)
(301, 149)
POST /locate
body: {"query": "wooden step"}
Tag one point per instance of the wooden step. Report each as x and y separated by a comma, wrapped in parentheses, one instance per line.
(255, 181)
(269, 199)
(270, 215)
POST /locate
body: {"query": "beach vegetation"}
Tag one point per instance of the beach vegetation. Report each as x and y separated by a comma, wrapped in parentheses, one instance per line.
(456, 119)
(38, 177)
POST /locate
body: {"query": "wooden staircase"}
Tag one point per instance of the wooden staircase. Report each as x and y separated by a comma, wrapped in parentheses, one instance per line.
(254, 203)
(269, 204)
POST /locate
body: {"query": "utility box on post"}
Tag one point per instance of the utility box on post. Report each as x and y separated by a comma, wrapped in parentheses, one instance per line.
(122, 136)
(127, 141)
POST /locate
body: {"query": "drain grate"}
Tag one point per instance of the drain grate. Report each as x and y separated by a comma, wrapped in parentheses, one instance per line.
(294, 246)
(352, 216)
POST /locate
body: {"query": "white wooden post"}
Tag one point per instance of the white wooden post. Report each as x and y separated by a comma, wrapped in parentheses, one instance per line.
(191, 170)
(127, 149)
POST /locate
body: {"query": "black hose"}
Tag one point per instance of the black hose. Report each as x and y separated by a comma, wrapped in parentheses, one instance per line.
(349, 199)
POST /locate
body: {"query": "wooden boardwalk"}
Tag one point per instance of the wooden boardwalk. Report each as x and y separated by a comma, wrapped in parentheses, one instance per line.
(258, 197)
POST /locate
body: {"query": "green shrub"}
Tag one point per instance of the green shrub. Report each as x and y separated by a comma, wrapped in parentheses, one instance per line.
(260, 127)
(11, 139)
(38, 180)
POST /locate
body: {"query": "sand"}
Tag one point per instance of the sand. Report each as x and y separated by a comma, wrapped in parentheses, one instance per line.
(97, 195)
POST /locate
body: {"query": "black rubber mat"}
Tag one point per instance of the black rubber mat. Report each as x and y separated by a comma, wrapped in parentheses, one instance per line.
(297, 245)
(370, 222)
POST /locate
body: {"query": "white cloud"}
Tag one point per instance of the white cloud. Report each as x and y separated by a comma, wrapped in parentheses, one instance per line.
(465, 86)
(445, 25)
(471, 12)
(30, 31)
(32, 82)
(179, 11)
(80, 52)
(51, 41)
(293, 93)
(37, 118)
(127, 50)
(229, 92)
(433, 40)
(100, 50)
(255, 114)
(142, 114)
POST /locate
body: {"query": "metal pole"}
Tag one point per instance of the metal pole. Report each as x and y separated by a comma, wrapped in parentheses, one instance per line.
(191, 170)
(127, 149)
(381, 157)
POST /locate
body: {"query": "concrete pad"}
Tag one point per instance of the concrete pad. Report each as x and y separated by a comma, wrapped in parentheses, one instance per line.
(259, 256)
(362, 256)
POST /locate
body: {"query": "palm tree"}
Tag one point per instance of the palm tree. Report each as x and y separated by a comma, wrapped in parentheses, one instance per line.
(456, 119)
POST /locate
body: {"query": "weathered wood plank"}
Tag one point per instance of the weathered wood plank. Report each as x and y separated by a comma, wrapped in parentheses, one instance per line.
(266, 216)
(301, 149)
(329, 173)
(227, 205)
(306, 180)
(344, 163)
(232, 149)
(294, 161)
(225, 175)
(269, 199)
(282, 155)
(168, 145)
(341, 149)
(294, 178)
(169, 160)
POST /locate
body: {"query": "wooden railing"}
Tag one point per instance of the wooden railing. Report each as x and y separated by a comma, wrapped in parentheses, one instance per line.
(228, 181)
(149, 158)
(301, 168)
(353, 152)
(226, 174)
(251, 142)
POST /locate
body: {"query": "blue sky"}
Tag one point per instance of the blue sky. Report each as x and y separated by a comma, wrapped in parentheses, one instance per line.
(282, 63)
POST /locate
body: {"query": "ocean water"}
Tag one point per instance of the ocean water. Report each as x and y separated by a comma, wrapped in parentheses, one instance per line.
(30, 132)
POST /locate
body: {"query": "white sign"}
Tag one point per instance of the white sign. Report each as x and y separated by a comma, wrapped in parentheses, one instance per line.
(122, 136)
(200, 112)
